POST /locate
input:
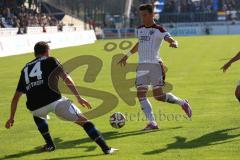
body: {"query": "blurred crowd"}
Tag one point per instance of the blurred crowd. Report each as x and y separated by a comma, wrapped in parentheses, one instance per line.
(200, 6)
(18, 15)
(230, 8)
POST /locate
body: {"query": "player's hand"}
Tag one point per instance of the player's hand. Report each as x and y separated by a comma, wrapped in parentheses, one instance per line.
(123, 61)
(84, 103)
(9, 123)
(174, 44)
(225, 67)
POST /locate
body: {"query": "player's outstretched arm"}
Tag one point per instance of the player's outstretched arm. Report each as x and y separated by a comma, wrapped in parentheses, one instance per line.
(14, 105)
(70, 84)
(173, 43)
(123, 61)
(228, 64)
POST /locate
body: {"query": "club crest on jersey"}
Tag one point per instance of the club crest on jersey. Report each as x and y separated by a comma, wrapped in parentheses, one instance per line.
(151, 32)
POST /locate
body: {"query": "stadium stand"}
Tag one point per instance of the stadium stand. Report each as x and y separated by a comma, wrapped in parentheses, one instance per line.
(119, 20)
(16, 14)
(176, 11)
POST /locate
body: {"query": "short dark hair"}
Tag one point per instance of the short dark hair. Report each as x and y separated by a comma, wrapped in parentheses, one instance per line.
(146, 7)
(40, 48)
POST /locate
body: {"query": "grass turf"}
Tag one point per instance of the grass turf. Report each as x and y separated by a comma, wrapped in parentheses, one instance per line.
(193, 69)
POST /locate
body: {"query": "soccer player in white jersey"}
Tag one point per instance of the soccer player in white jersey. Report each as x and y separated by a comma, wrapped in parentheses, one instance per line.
(225, 68)
(150, 70)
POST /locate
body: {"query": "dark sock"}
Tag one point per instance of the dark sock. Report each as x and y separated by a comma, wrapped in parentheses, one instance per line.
(238, 99)
(43, 129)
(95, 135)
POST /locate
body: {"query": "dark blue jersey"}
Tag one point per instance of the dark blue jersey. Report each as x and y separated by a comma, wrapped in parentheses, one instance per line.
(34, 82)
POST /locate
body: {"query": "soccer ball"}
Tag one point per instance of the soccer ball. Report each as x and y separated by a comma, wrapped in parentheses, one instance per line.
(117, 120)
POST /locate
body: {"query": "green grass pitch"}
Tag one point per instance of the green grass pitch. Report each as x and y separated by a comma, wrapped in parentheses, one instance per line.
(193, 69)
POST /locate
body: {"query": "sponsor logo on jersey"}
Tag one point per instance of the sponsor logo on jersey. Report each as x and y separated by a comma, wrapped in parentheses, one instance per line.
(144, 38)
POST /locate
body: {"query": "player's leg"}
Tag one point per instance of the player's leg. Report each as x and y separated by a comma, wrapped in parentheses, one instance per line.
(171, 98)
(44, 130)
(94, 134)
(166, 97)
(142, 82)
(146, 108)
(237, 92)
(68, 111)
(157, 77)
(40, 116)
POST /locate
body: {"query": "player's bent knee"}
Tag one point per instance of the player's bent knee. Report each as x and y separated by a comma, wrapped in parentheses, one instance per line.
(159, 97)
(158, 93)
(82, 120)
(141, 93)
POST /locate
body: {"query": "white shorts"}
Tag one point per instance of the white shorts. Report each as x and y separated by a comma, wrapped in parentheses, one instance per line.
(63, 108)
(150, 74)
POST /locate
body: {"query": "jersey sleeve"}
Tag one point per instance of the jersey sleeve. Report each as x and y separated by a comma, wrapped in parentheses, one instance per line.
(164, 33)
(21, 84)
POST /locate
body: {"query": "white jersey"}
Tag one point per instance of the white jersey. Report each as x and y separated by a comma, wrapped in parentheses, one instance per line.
(150, 41)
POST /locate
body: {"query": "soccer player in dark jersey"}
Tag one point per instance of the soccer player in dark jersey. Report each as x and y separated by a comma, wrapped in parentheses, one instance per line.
(42, 97)
(225, 68)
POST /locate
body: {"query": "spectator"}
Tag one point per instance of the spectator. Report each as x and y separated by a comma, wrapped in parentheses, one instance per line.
(60, 27)
(22, 17)
(30, 4)
(1, 23)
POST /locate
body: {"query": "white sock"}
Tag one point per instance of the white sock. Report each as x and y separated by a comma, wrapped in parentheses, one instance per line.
(171, 98)
(147, 109)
